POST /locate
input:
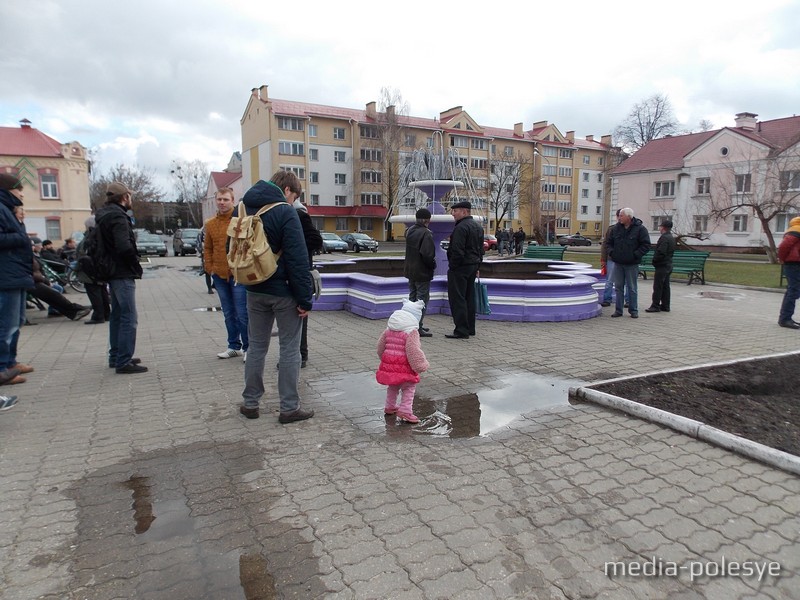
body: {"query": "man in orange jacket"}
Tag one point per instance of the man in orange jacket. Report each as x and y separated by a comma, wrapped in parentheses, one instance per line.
(232, 296)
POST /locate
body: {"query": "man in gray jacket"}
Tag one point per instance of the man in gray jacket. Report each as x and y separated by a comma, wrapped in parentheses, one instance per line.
(628, 242)
(420, 263)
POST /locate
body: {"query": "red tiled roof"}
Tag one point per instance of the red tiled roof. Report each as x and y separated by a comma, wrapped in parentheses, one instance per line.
(27, 141)
(669, 152)
(224, 179)
(347, 211)
(303, 109)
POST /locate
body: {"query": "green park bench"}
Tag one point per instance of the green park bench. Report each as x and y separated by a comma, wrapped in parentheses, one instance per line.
(688, 262)
(551, 252)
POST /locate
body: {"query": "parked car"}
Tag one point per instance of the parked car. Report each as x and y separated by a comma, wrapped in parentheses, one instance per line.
(445, 244)
(185, 241)
(574, 240)
(332, 243)
(148, 243)
(360, 241)
(489, 242)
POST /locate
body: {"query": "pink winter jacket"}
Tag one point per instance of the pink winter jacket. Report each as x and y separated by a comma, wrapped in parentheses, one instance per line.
(402, 358)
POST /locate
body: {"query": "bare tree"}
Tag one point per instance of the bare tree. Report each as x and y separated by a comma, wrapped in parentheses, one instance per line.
(766, 188)
(391, 134)
(509, 183)
(648, 120)
(190, 180)
(139, 181)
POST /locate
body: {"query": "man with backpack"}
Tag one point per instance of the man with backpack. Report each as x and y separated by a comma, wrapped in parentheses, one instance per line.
(284, 297)
(97, 291)
(117, 261)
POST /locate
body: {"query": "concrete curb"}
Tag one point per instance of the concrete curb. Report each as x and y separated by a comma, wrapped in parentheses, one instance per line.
(696, 429)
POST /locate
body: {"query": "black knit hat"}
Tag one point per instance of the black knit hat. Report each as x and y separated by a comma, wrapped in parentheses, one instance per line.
(423, 213)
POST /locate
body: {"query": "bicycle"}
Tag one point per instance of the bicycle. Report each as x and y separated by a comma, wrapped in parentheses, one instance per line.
(63, 274)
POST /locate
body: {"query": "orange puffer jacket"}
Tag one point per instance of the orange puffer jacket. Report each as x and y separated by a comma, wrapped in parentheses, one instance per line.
(215, 245)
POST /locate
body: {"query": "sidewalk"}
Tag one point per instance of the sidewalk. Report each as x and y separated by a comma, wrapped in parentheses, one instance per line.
(153, 486)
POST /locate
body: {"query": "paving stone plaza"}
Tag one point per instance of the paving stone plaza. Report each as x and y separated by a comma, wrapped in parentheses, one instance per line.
(154, 487)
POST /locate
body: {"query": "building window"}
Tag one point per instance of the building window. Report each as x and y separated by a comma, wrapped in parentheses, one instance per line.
(563, 224)
(740, 222)
(664, 188)
(49, 187)
(290, 123)
(318, 223)
(790, 180)
(338, 133)
(703, 186)
(584, 209)
(582, 226)
(549, 151)
(312, 131)
(599, 178)
(52, 228)
(340, 200)
(480, 183)
(700, 223)
(565, 171)
(313, 177)
(340, 178)
(743, 183)
(365, 224)
(372, 199)
(339, 156)
(598, 210)
(341, 224)
(599, 194)
(313, 154)
(586, 177)
(293, 148)
(564, 206)
(371, 177)
(429, 142)
(478, 144)
(656, 223)
(371, 154)
(565, 153)
(587, 159)
(368, 131)
(459, 142)
(596, 227)
(299, 171)
(478, 163)
(549, 188)
(564, 188)
(584, 193)
(549, 170)
(600, 161)
(410, 140)
(314, 200)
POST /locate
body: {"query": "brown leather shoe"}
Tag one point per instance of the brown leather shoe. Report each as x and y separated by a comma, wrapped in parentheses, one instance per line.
(23, 368)
(7, 375)
(14, 380)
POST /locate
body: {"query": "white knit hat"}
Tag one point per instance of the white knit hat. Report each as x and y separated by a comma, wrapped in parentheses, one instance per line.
(415, 308)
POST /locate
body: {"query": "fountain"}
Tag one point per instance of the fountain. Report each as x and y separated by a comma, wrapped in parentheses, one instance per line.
(519, 289)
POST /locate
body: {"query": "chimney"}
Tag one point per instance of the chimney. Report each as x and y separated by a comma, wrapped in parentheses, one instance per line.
(540, 125)
(571, 136)
(372, 111)
(605, 140)
(25, 124)
(589, 138)
(746, 121)
(262, 93)
(518, 129)
(390, 111)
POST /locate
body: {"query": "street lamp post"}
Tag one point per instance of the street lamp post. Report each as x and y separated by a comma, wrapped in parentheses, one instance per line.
(554, 207)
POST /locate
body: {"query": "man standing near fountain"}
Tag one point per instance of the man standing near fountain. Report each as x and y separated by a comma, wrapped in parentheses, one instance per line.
(420, 263)
(464, 258)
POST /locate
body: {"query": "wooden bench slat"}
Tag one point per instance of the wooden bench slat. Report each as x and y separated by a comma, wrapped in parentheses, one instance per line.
(556, 252)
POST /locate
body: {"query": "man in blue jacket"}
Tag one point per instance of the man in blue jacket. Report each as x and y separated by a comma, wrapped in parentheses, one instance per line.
(285, 297)
(16, 276)
(628, 242)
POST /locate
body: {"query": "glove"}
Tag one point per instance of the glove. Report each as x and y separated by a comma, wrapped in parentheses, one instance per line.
(317, 280)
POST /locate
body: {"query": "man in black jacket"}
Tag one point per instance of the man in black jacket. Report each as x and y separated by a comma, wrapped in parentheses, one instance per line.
(313, 245)
(420, 263)
(118, 243)
(662, 261)
(464, 256)
(628, 242)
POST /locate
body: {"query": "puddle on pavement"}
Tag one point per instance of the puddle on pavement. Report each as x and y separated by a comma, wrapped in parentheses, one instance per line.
(720, 295)
(183, 501)
(460, 416)
(208, 309)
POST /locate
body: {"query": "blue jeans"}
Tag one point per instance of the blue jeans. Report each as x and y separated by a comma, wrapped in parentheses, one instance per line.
(263, 311)
(233, 299)
(122, 322)
(792, 273)
(626, 280)
(12, 316)
(607, 295)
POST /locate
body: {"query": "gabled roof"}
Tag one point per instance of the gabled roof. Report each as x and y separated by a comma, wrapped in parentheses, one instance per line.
(224, 178)
(27, 141)
(670, 152)
(305, 109)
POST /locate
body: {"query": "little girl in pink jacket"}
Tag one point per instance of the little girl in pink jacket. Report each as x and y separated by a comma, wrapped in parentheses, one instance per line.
(402, 359)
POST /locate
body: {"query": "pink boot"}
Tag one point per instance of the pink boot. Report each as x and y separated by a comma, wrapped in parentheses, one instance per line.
(390, 407)
(406, 411)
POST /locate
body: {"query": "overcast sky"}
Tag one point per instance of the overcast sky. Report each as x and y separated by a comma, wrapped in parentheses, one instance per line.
(146, 82)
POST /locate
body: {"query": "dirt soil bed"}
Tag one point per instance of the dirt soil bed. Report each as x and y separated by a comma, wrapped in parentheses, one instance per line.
(757, 400)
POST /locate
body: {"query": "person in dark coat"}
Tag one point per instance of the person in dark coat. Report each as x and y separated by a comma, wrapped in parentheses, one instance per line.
(519, 240)
(16, 276)
(118, 243)
(662, 261)
(286, 297)
(313, 244)
(420, 263)
(464, 256)
(628, 242)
